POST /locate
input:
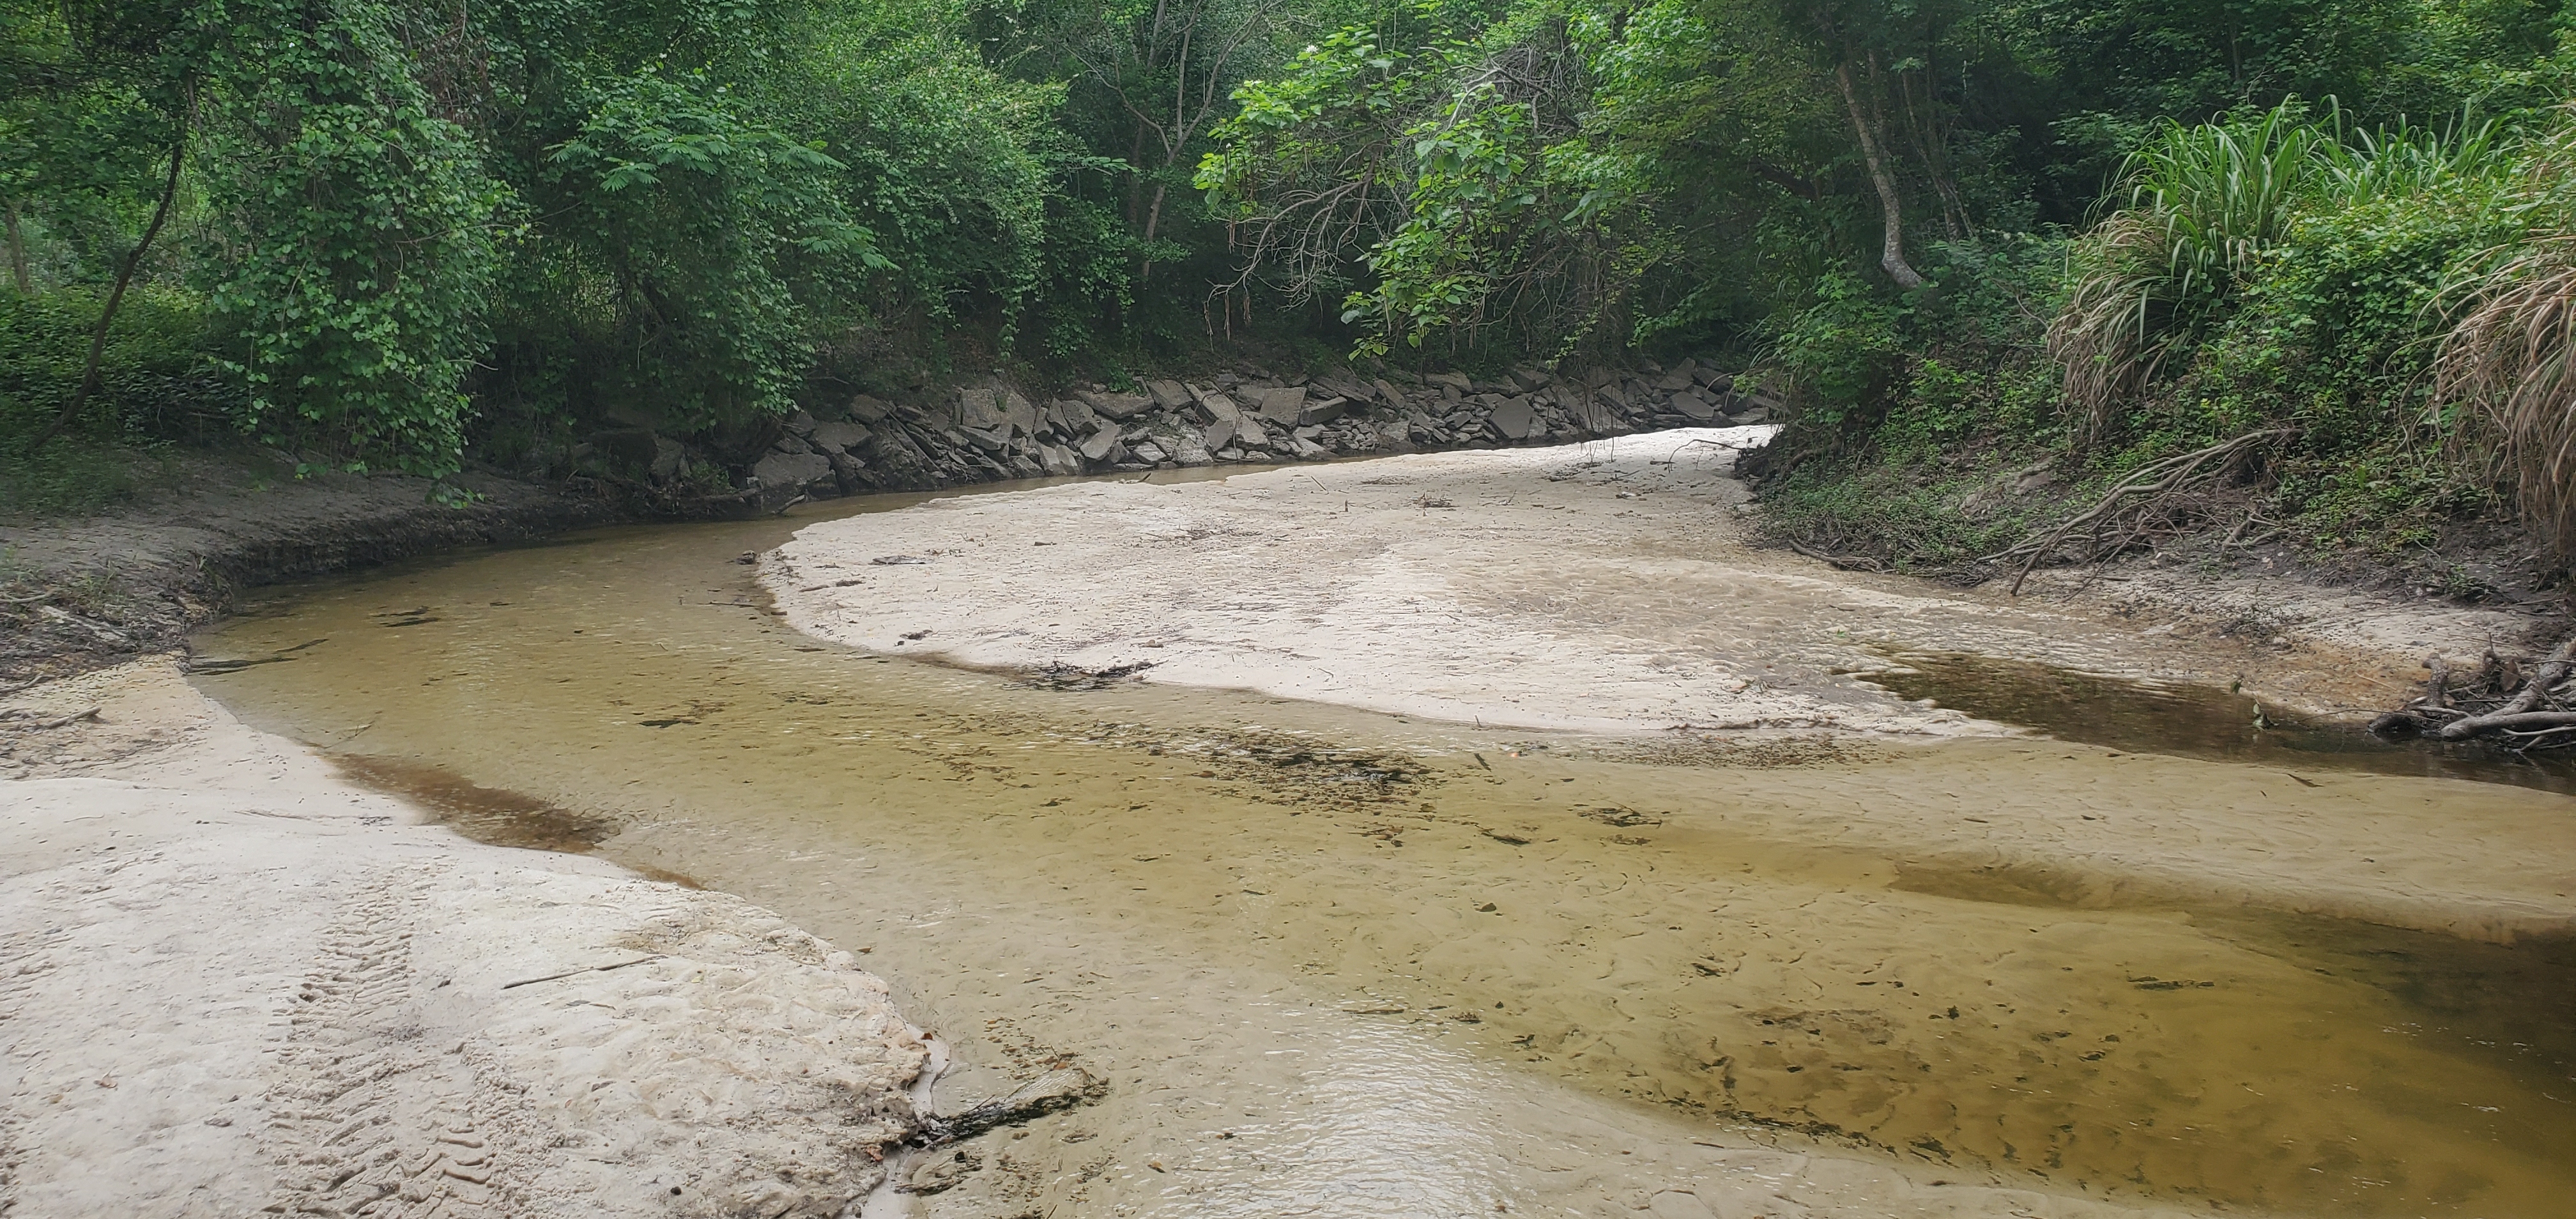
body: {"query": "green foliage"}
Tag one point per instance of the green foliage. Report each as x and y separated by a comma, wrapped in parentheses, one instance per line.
(718, 240)
(158, 376)
(355, 228)
(158, 373)
(405, 230)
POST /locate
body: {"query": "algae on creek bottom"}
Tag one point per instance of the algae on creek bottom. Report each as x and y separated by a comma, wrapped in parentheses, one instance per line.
(1132, 878)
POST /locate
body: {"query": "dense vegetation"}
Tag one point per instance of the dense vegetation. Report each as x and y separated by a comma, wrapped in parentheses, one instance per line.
(1959, 237)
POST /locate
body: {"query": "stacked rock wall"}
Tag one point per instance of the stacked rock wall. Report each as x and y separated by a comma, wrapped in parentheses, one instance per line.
(991, 431)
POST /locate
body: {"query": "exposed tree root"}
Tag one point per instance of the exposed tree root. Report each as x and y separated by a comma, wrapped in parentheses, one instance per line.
(2497, 704)
(2138, 508)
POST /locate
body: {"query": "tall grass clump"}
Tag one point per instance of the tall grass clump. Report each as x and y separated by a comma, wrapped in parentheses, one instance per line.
(2508, 363)
(2200, 206)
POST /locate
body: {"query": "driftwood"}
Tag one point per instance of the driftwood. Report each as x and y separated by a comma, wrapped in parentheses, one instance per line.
(1839, 562)
(1052, 1092)
(2532, 712)
(2128, 513)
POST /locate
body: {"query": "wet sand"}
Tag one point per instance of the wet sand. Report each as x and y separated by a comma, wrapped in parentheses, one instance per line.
(1782, 974)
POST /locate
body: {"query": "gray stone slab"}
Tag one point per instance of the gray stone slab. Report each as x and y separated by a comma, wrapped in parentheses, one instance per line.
(830, 437)
(791, 469)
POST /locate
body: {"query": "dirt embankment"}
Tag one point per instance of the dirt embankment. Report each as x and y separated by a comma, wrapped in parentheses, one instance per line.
(79, 594)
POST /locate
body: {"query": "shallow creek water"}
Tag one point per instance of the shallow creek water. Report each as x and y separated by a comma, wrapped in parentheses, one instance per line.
(1335, 963)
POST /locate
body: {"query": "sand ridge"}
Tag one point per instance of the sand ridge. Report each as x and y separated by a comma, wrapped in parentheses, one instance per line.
(1605, 586)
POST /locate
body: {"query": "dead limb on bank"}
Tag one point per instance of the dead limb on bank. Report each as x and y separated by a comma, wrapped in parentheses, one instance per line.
(2499, 703)
(2140, 507)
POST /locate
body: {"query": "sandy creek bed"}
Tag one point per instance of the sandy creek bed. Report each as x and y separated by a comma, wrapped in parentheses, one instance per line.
(1336, 962)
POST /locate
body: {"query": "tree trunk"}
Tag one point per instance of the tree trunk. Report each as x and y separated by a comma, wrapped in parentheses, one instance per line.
(1931, 143)
(1153, 220)
(1136, 178)
(116, 296)
(1892, 253)
(18, 273)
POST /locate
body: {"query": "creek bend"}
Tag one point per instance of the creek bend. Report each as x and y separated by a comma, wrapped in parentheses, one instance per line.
(1335, 962)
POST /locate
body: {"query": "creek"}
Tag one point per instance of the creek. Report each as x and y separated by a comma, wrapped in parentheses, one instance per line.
(1333, 962)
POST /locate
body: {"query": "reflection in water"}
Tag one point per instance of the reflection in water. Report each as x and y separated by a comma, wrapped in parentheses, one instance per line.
(1339, 964)
(2193, 722)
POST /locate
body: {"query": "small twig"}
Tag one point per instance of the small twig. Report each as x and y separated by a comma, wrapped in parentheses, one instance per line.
(583, 970)
(1837, 561)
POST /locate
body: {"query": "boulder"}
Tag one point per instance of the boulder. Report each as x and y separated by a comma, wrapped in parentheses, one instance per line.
(791, 469)
(787, 442)
(867, 409)
(1594, 417)
(837, 437)
(1691, 403)
(1119, 406)
(1529, 379)
(1207, 407)
(1059, 460)
(1325, 411)
(1220, 434)
(800, 423)
(1071, 417)
(1251, 433)
(625, 450)
(1169, 395)
(1189, 452)
(669, 458)
(1754, 408)
(1281, 406)
(994, 439)
(1343, 383)
(1021, 413)
(1453, 380)
(1517, 421)
(1099, 445)
(981, 408)
(849, 473)
(1149, 452)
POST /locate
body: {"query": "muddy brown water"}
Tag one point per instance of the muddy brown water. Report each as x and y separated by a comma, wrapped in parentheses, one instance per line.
(1340, 963)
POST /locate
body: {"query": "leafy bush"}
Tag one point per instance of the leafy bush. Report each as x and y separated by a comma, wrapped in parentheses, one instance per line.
(157, 372)
(356, 234)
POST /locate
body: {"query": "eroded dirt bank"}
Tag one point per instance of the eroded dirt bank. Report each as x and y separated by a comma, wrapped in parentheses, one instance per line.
(79, 594)
(232, 981)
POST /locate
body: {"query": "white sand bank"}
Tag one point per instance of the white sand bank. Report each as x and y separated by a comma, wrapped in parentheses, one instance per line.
(231, 981)
(1601, 586)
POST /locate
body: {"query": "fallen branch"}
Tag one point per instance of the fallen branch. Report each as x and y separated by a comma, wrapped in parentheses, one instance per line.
(1052, 1092)
(2527, 715)
(2516, 710)
(1839, 562)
